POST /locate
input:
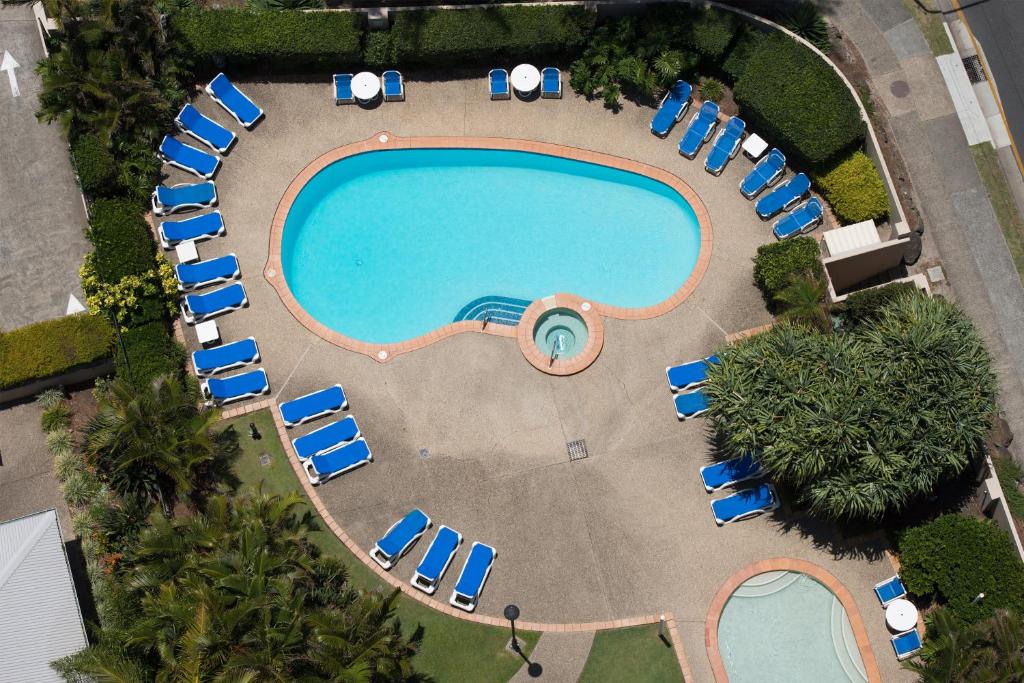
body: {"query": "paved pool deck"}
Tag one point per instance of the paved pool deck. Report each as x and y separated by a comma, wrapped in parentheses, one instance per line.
(471, 433)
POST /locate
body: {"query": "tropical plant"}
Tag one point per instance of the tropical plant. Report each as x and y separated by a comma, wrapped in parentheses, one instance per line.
(66, 463)
(803, 301)
(986, 652)
(865, 307)
(80, 487)
(712, 89)
(57, 416)
(60, 442)
(805, 20)
(777, 263)
(861, 423)
(50, 398)
(152, 445)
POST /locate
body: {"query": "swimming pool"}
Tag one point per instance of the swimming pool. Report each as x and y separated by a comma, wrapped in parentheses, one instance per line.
(386, 246)
(786, 626)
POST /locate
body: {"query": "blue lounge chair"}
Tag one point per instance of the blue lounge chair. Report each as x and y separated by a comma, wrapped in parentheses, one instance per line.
(803, 218)
(326, 439)
(691, 405)
(436, 560)
(188, 158)
(199, 307)
(782, 197)
(235, 388)
(321, 468)
(473, 577)
(313, 405)
(343, 89)
(206, 130)
(889, 590)
(702, 125)
(689, 375)
(204, 273)
(184, 196)
(730, 472)
(764, 174)
(673, 106)
(726, 145)
(234, 101)
(906, 644)
(399, 538)
(225, 357)
(551, 82)
(745, 504)
(394, 88)
(197, 228)
(497, 81)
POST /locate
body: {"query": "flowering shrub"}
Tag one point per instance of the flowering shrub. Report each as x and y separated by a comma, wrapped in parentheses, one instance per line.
(126, 297)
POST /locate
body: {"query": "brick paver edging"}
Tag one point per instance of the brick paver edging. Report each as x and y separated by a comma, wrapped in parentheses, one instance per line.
(274, 274)
(793, 565)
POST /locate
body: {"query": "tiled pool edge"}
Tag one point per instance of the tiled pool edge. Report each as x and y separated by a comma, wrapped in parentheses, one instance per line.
(273, 271)
(821, 575)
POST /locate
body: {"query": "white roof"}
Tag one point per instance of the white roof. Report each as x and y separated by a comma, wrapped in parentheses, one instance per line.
(850, 237)
(40, 620)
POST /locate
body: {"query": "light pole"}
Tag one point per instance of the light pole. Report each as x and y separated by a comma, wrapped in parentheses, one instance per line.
(512, 613)
(120, 342)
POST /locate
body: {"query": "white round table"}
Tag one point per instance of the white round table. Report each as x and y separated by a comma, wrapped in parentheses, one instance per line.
(365, 86)
(901, 615)
(525, 78)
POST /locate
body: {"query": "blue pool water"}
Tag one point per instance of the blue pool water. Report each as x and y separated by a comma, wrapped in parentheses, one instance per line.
(785, 626)
(386, 246)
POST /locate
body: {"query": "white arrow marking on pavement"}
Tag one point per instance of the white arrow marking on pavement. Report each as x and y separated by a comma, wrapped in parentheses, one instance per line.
(9, 65)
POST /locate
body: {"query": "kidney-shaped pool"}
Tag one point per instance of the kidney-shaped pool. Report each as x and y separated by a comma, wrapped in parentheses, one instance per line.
(384, 246)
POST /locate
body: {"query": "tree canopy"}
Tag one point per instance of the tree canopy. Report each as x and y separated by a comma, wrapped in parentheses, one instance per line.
(862, 422)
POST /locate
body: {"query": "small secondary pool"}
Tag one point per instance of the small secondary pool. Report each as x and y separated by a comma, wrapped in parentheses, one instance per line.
(389, 245)
(786, 626)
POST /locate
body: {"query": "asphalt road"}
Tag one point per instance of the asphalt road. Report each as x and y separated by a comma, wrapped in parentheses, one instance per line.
(999, 26)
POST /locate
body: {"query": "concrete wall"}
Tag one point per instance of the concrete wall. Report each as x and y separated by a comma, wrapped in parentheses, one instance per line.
(79, 375)
(994, 505)
(850, 268)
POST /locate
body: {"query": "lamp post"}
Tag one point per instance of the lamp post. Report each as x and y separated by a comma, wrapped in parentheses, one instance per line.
(120, 341)
(512, 613)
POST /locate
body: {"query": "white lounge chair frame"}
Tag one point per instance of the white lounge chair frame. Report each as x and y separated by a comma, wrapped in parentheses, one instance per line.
(387, 563)
(749, 515)
(196, 136)
(315, 478)
(169, 244)
(507, 95)
(192, 319)
(229, 110)
(470, 602)
(188, 169)
(191, 287)
(232, 366)
(211, 401)
(732, 154)
(771, 183)
(878, 585)
(420, 581)
(322, 413)
(400, 97)
(161, 209)
(557, 95)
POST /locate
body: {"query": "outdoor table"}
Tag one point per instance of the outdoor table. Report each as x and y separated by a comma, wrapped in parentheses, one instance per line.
(186, 251)
(901, 615)
(365, 86)
(207, 332)
(754, 146)
(525, 78)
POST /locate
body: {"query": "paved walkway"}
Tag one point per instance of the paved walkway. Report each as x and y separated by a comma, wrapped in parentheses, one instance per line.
(557, 657)
(958, 218)
(42, 220)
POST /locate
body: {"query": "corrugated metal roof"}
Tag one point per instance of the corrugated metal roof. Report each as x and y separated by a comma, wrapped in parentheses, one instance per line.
(40, 619)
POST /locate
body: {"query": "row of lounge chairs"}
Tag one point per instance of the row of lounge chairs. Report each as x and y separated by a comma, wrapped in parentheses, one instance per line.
(688, 378)
(500, 88)
(392, 87)
(333, 449)
(404, 533)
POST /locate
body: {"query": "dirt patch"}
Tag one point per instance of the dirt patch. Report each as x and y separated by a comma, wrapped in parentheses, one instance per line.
(83, 408)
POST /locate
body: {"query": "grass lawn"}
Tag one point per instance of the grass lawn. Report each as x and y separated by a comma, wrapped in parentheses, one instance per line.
(1002, 201)
(930, 24)
(631, 654)
(452, 649)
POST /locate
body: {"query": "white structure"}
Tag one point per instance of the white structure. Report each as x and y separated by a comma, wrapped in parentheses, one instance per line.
(40, 619)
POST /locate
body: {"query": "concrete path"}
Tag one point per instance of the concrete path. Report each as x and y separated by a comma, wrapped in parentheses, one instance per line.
(560, 656)
(42, 219)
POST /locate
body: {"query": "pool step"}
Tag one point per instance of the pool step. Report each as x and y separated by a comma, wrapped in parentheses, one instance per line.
(501, 310)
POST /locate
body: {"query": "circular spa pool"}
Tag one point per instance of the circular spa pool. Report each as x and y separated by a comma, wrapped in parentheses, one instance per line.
(560, 333)
(385, 246)
(786, 626)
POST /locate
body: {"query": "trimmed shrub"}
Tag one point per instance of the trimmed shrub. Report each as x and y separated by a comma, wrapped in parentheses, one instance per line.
(776, 264)
(52, 347)
(704, 30)
(855, 190)
(151, 352)
(97, 169)
(953, 558)
(279, 40)
(794, 98)
(712, 89)
(134, 299)
(476, 37)
(866, 306)
(123, 242)
(747, 40)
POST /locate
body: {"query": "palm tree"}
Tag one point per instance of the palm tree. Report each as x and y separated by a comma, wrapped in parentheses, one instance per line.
(153, 445)
(803, 301)
(986, 652)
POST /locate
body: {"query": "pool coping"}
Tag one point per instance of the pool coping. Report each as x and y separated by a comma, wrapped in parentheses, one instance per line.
(273, 271)
(821, 575)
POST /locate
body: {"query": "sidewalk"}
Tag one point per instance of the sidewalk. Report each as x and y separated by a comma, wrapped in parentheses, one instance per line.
(557, 657)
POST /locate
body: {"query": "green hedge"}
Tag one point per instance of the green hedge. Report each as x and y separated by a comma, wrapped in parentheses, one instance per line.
(97, 168)
(49, 348)
(151, 352)
(954, 557)
(792, 97)
(855, 190)
(490, 36)
(275, 40)
(777, 263)
(705, 30)
(122, 239)
(735, 62)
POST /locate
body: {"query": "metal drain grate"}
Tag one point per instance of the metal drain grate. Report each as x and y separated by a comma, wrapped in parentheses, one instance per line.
(975, 71)
(424, 453)
(577, 449)
(265, 460)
